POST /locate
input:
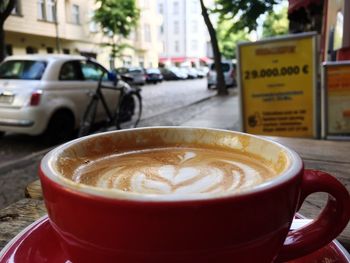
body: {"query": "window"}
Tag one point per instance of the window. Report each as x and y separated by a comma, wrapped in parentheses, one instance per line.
(160, 8)
(50, 10)
(176, 47)
(47, 10)
(92, 71)
(31, 50)
(17, 9)
(41, 9)
(92, 24)
(49, 50)
(161, 30)
(75, 14)
(66, 51)
(176, 7)
(176, 27)
(22, 69)
(70, 71)
(225, 67)
(9, 50)
(88, 54)
(147, 36)
(338, 31)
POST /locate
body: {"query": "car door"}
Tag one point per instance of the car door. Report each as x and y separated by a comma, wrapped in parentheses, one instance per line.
(92, 72)
(68, 90)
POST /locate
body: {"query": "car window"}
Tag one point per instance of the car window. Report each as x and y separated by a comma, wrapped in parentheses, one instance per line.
(122, 70)
(70, 71)
(225, 67)
(22, 69)
(92, 71)
(153, 71)
(135, 70)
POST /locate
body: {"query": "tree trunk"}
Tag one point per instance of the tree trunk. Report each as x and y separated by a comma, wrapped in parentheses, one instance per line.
(220, 79)
(4, 13)
(2, 43)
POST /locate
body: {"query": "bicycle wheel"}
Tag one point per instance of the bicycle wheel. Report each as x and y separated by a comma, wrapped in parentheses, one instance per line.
(88, 118)
(130, 111)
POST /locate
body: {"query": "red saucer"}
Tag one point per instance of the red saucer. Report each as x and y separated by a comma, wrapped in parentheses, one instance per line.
(39, 243)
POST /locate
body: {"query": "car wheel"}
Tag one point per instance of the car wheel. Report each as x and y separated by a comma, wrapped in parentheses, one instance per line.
(209, 86)
(60, 127)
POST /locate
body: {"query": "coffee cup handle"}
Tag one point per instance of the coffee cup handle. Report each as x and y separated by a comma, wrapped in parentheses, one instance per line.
(327, 226)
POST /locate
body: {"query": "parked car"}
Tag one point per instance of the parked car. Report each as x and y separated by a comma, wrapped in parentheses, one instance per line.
(229, 69)
(181, 72)
(153, 75)
(48, 94)
(172, 73)
(202, 72)
(136, 74)
(191, 72)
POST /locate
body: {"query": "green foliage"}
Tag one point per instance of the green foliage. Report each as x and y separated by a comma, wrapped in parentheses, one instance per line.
(243, 13)
(228, 40)
(117, 19)
(276, 23)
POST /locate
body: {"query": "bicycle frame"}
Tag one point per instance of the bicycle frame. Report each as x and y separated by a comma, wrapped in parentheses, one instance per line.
(100, 95)
(112, 117)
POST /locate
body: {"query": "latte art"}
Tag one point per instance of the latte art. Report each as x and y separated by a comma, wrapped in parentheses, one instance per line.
(166, 171)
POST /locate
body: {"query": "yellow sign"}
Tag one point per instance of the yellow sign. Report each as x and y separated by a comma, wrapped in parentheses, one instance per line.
(277, 81)
(338, 99)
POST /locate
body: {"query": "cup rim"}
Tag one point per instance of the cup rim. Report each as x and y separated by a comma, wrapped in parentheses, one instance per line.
(47, 170)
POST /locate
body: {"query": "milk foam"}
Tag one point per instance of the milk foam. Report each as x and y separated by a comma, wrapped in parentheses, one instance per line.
(175, 171)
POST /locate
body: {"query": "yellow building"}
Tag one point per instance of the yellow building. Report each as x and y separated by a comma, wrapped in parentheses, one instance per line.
(33, 28)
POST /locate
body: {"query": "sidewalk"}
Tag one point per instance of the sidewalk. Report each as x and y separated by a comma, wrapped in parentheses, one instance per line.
(224, 114)
(220, 112)
(212, 112)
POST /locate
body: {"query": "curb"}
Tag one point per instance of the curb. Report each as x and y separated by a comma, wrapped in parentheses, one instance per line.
(24, 161)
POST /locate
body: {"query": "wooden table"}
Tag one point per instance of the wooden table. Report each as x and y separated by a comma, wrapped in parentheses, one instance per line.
(329, 156)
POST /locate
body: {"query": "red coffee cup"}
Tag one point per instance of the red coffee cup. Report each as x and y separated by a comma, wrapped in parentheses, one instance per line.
(96, 225)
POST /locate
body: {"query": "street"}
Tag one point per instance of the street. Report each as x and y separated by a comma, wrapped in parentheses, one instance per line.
(171, 103)
(157, 99)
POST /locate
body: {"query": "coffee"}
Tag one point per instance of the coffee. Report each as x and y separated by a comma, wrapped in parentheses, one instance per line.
(174, 170)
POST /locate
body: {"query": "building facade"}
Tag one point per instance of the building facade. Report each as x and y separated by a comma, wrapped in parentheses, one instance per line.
(183, 32)
(66, 26)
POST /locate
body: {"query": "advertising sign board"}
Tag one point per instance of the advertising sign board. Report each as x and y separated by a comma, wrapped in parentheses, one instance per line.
(278, 87)
(336, 100)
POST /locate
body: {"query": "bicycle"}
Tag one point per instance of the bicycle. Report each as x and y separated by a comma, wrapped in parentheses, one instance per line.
(127, 113)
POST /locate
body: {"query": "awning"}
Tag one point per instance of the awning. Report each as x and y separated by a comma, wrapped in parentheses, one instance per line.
(172, 59)
(177, 59)
(206, 60)
(297, 4)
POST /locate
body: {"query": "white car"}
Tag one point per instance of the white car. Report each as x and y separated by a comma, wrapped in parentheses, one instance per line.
(229, 69)
(48, 94)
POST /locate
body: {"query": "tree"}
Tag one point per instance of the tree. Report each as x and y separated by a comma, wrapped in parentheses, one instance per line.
(276, 23)
(220, 81)
(228, 40)
(243, 15)
(117, 19)
(6, 7)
